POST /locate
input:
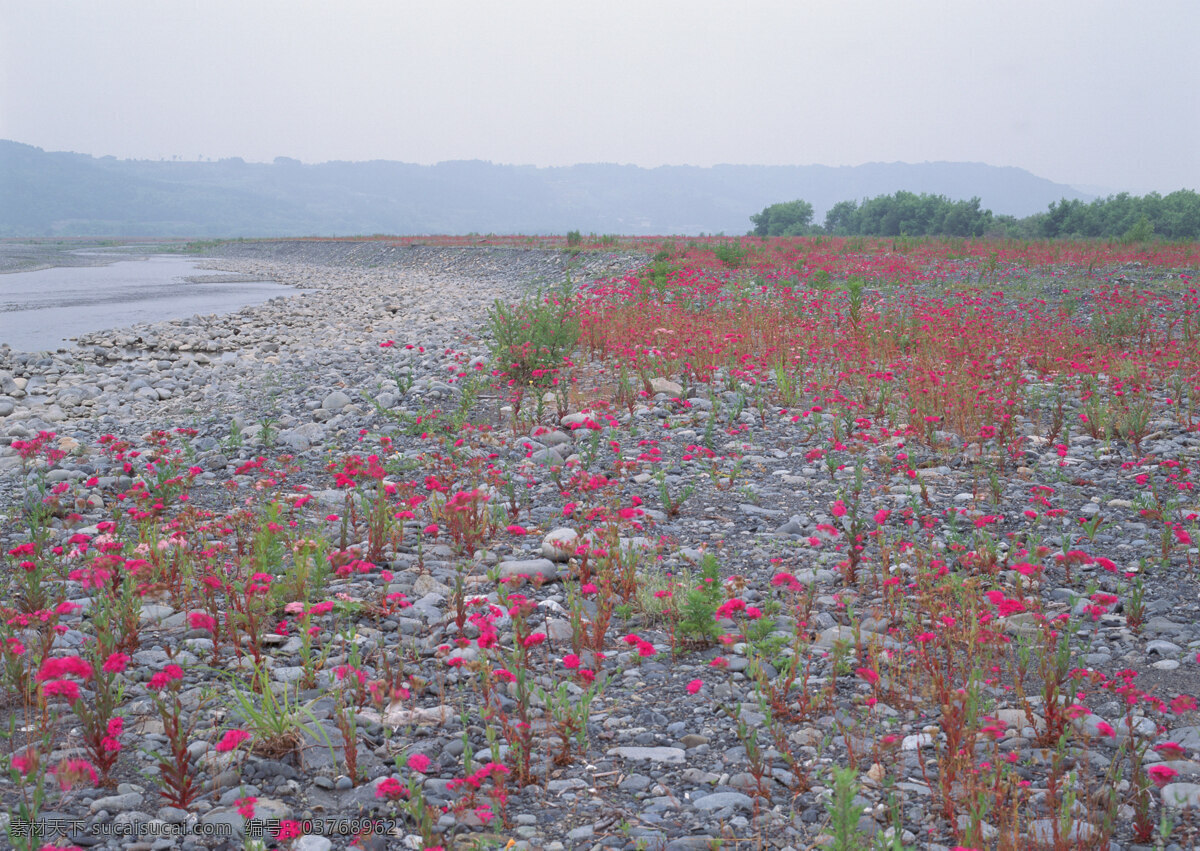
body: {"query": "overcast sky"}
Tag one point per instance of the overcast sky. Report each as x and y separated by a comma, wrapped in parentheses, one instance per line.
(1077, 91)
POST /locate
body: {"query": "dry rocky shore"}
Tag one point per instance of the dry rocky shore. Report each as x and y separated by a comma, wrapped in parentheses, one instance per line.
(665, 766)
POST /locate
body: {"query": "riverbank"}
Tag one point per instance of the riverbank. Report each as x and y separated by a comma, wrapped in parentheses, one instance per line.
(516, 628)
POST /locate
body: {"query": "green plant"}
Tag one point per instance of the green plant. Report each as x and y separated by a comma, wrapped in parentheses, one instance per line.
(277, 721)
(671, 503)
(304, 580)
(531, 339)
(843, 816)
(697, 615)
(854, 299)
(731, 253)
(235, 439)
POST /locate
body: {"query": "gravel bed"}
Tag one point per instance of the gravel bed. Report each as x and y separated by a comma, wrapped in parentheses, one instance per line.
(307, 376)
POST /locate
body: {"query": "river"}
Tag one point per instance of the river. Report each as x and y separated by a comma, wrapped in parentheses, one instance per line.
(43, 309)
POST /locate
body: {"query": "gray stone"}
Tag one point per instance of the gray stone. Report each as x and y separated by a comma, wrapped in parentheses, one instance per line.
(721, 800)
(671, 756)
(116, 803)
(1181, 795)
(666, 385)
(530, 567)
(559, 544)
(1160, 647)
(335, 401)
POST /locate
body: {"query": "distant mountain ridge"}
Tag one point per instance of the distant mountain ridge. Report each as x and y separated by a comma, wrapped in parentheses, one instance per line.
(68, 194)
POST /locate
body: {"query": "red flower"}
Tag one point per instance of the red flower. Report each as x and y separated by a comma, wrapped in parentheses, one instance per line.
(390, 788)
(116, 663)
(64, 688)
(695, 686)
(231, 740)
(71, 771)
(288, 829)
(1162, 774)
(199, 620)
(1170, 750)
(1183, 703)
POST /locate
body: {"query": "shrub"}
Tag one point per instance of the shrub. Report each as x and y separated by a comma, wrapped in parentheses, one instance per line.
(531, 339)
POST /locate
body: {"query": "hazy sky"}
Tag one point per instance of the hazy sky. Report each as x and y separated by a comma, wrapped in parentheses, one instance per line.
(1078, 91)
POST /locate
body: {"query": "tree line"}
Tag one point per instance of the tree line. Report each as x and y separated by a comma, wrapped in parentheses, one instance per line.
(1123, 216)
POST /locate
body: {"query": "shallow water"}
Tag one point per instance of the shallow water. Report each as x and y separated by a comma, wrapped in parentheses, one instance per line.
(42, 310)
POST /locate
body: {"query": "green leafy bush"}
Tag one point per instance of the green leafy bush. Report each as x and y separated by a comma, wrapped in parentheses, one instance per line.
(531, 339)
(698, 615)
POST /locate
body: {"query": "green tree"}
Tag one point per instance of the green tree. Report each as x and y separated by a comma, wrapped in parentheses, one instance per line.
(842, 219)
(1141, 231)
(793, 218)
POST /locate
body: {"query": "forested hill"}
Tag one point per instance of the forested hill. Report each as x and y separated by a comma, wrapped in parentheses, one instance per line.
(67, 194)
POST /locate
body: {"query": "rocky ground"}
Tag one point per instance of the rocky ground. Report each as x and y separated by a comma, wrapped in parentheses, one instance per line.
(665, 766)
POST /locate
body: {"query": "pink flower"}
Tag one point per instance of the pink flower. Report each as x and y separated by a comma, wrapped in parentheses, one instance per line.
(58, 667)
(419, 762)
(695, 686)
(245, 806)
(387, 344)
(116, 663)
(288, 829)
(1162, 774)
(231, 740)
(514, 529)
(70, 772)
(839, 509)
(571, 661)
(431, 529)
(390, 788)
(63, 688)
(881, 516)
(165, 677)
(199, 620)
(1105, 729)
(1170, 750)
(1183, 703)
